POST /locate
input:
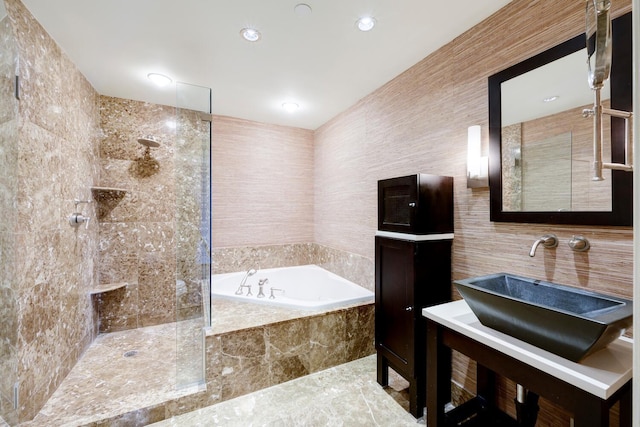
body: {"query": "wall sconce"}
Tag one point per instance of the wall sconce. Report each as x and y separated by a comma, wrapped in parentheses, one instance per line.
(477, 166)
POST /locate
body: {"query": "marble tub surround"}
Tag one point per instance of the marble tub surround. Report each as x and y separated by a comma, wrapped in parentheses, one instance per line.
(279, 349)
(356, 268)
(345, 395)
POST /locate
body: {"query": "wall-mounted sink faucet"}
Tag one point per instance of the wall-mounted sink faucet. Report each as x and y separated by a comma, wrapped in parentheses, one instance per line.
(548, 241)
(579, 243)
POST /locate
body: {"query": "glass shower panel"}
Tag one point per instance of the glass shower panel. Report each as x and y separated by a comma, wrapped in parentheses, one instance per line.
(8, 195)
(193, 230)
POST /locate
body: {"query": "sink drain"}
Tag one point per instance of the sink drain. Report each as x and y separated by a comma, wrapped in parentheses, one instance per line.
(130, 353)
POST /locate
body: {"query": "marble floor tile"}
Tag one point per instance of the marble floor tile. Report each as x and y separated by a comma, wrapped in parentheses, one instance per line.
(346, 395)
(109, 380)
(107, 387)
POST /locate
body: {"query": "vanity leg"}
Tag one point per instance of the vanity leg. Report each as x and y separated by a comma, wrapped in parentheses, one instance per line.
(383, 370)
(594, 412)
(415, 406)
(625, 408)
(486, 384)
(438, 375)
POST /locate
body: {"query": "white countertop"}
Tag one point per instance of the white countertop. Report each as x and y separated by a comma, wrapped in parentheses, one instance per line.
(600, 374)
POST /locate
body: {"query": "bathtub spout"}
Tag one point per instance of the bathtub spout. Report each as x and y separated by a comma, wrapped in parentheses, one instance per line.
(261, 284)
(248, 274)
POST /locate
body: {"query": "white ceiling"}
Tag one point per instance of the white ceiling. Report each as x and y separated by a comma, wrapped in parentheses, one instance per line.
(566, 78)
(320, 61)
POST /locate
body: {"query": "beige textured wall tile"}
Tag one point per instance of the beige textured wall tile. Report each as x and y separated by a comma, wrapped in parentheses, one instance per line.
(262, 183)
(418, 123)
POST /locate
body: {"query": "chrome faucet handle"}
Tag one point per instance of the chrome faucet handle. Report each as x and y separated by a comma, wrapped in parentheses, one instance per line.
(261, 284)
(76, 218)
(248, 290)
(272, 296)
(548, 241)
(579, 243)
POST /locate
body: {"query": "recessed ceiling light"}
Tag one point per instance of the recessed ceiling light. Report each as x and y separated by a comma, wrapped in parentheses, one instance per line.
(302, 9)
(290, 107)
(250, 34)
(159, 79)
(550, 98)
(366, 23)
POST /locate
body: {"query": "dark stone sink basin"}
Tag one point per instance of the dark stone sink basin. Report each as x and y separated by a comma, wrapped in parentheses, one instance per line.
(564, 320)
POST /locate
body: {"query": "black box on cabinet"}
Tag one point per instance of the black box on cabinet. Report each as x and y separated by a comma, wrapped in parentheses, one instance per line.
(416, 204)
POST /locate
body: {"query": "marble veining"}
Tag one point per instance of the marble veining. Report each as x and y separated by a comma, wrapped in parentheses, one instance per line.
(51, 160)
(345, 395)
(356, 268)
(107, 385)
(149, 232)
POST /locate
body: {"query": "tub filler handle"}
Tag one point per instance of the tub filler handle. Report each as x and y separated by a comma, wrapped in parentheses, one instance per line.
(272, 296)
(261, 284)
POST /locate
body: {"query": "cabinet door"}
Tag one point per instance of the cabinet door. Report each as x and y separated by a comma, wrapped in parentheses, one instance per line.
(394, 302)
(397, 202)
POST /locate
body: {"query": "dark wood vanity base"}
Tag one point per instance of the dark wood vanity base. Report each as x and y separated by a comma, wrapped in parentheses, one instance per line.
(588, 409)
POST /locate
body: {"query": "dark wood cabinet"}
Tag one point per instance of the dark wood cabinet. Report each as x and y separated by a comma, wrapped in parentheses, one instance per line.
(416, 204)
(409, 275)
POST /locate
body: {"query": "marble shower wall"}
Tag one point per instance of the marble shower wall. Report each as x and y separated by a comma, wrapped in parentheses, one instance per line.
(8, 193)
(55, 162)
(138, 239)
(137, 244)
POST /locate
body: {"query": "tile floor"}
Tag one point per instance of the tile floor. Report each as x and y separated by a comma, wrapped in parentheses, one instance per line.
(346, 395)
(104, 384)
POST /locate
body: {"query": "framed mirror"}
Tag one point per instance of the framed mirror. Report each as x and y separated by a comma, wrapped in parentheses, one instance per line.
(541, 146)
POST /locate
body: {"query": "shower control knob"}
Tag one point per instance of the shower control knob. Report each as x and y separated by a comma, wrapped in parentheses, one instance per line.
(408, 308)
(75, 219)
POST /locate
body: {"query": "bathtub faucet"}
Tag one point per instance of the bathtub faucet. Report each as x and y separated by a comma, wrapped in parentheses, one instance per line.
(248, 274)
(261, 284)
(272, 296)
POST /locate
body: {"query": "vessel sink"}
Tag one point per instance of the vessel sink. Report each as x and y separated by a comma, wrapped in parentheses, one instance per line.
(570, 322)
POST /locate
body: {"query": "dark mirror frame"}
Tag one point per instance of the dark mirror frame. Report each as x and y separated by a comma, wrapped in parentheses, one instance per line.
(621, 99)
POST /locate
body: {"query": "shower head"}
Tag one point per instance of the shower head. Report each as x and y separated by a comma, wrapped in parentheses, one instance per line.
(148, 141)
(251, 272)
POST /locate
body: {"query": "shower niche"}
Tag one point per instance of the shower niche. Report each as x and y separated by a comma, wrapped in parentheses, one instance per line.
(106, 198)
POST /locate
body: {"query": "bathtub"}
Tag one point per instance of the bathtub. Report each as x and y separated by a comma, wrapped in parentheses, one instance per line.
(306, 287)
